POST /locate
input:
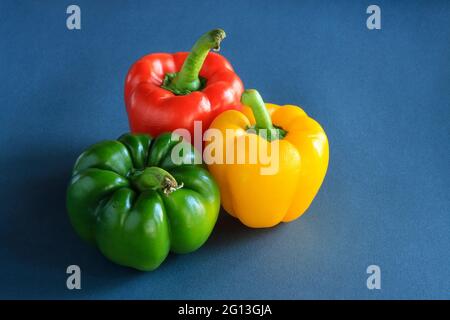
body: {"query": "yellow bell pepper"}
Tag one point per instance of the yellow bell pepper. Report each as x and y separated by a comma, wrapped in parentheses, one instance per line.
(298, 144)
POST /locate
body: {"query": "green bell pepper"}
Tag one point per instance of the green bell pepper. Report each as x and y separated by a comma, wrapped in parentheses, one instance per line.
(136, 204)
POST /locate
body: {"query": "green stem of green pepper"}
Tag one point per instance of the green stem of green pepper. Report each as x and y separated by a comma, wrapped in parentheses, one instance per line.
(263, 126)
(188, 80)
(154, 178)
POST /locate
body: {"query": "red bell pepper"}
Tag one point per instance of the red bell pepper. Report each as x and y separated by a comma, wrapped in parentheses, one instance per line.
(164, 92)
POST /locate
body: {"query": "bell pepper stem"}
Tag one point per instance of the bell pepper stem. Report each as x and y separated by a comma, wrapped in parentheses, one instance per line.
(187, 80)
(253, 99)
(154, 178)
(263, 123)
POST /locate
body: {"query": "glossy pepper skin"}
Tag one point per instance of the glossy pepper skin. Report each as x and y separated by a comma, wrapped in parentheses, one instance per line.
(259, 200)
(130, 199)
(164, 92)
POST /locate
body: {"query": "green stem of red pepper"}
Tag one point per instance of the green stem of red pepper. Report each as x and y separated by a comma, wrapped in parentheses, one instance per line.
(188, 80)
(263, 123)
(154, 178)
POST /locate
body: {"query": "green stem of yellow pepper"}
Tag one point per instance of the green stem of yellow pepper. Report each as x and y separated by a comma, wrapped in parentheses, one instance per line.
(263, 125)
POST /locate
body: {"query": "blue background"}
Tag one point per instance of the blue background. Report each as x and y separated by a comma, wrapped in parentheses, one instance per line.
(383, 97)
